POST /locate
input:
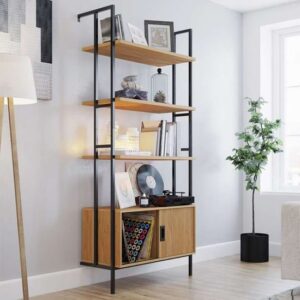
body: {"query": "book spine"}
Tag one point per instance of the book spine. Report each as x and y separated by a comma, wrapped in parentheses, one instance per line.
(175, 151)
(171, 139)
(158, 142)
(167, 147)
(117, 28)
(163, 138)
(121, 27)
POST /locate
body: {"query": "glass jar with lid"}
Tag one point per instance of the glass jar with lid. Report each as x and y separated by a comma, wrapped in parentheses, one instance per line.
(159, 87)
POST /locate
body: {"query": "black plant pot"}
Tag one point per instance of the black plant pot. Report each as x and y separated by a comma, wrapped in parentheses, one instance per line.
(254, 247)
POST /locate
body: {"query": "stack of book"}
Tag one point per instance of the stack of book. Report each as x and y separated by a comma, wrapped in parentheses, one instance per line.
(159, 138)
(137, 237)
(106, 30)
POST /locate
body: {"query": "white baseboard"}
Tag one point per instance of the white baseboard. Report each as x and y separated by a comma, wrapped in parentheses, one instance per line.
(275, 249)
(68, 279)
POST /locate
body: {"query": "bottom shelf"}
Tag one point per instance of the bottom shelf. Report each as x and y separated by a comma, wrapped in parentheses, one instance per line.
(153, 260)
(139, 263)
(173, 235)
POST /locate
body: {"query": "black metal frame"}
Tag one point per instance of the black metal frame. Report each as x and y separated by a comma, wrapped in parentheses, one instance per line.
(190, 120)
(95, 13)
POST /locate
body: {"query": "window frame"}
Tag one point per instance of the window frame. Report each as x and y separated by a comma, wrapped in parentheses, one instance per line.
(278, 91)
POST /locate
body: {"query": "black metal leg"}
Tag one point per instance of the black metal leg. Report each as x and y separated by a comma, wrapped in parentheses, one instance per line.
(112, 153)
(95, 13)
(191, 265)
(96, 214)
(190, 120)
(113, 281)
(174, 118)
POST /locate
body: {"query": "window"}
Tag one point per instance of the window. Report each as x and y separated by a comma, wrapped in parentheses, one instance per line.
(290, 166)
(280, 82)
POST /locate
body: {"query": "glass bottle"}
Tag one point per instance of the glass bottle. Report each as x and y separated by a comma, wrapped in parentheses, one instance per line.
(144, 201)
(159, 87)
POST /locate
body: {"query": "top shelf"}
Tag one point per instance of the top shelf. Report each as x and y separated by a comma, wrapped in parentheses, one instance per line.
(143, 106)
(141, 54)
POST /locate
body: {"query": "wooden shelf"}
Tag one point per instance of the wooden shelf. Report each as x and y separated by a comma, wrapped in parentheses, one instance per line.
(149, 261)
(141, 54)
(132, 157)
(139, 209)
(145, 209)
(142, 106)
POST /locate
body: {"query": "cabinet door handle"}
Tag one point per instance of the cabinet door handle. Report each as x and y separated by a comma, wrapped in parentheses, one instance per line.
(162, 233)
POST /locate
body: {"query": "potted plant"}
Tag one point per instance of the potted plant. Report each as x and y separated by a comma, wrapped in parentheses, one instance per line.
(258, 142)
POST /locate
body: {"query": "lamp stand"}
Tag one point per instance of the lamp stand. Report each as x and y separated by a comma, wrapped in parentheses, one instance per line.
(13, 140)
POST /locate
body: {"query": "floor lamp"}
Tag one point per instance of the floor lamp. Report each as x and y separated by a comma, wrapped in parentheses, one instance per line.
(16, 88)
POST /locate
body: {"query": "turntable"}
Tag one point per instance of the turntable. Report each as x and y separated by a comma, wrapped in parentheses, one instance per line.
(150, 182)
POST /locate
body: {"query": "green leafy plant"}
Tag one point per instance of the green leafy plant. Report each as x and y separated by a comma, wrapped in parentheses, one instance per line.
(258, 142)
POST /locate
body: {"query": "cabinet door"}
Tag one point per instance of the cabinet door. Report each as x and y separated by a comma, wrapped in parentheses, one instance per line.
(176, 231)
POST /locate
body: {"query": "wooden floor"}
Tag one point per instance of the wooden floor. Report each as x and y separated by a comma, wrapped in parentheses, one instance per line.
(220, 279)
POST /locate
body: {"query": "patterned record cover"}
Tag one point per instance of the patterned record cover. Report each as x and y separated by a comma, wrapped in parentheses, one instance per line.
(136, 232)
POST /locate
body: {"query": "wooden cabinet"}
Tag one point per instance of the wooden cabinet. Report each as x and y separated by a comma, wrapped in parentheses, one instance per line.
(87, 249)
(174, 233)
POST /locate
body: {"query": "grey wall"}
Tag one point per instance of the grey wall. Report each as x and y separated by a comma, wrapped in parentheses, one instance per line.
(52, 135)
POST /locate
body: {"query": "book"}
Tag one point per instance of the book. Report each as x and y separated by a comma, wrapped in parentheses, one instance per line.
(167, 144)
(149, 136)
(148, 141)
(106, 30)
(171, 139)
(159, 138)
(158, 142)
(162, 145)
(127, 153)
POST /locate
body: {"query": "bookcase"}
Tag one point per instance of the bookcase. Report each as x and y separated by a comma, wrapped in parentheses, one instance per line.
(174, 231)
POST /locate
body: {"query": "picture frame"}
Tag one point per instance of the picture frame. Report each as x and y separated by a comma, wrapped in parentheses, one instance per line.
(160, 34)
(137, 35)
(124, 191)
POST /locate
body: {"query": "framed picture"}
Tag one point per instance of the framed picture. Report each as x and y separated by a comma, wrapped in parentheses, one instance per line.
(138, 36)
(26, 29)
(124, 191)
(160, 34)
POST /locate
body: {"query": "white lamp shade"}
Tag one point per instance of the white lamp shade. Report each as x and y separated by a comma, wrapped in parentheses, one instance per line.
(16, 79)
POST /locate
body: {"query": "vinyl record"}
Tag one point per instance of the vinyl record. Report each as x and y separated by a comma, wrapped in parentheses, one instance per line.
(149, 180)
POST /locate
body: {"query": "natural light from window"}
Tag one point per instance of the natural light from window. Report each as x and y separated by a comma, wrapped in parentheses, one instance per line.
(280, 86)
(291, 111)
